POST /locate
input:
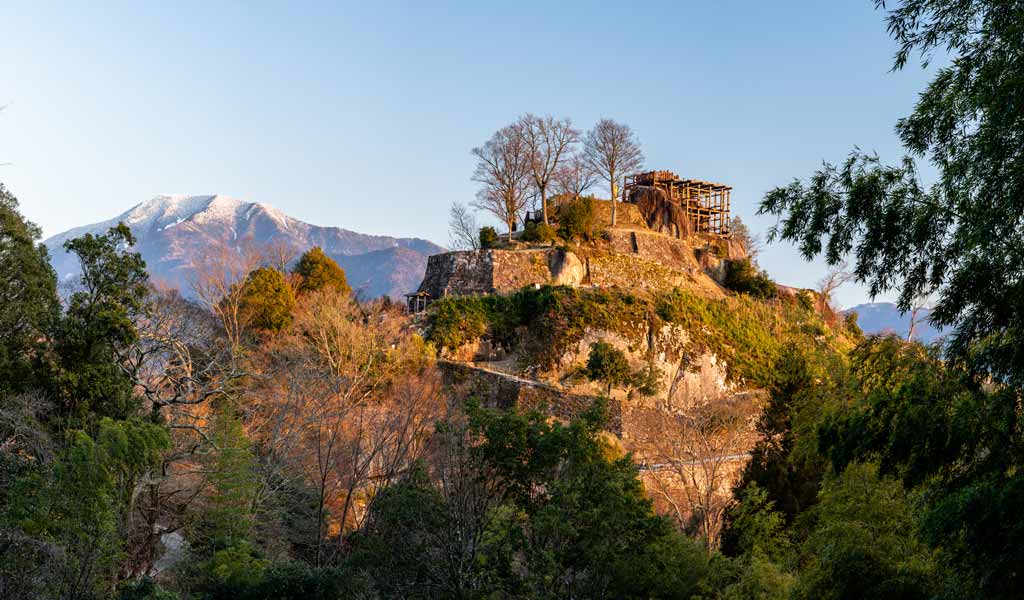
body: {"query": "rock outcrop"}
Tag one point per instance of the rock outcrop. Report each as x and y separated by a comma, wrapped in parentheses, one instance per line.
(624, 258)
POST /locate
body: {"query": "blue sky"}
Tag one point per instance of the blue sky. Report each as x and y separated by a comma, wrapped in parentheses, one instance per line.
(362, 115)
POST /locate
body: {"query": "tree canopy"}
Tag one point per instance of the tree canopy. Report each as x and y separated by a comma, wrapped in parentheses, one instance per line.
(267, 300)
(318, 271)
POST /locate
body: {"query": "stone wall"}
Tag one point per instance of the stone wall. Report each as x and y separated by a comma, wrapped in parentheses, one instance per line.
(507, 392)
(606, 269)
(624, 258)
(516, 269)
(669, 251)
(458, 273)
(471, 272)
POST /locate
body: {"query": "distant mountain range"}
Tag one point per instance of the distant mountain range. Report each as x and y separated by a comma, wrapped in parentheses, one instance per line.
(172, 230)
(882, 317)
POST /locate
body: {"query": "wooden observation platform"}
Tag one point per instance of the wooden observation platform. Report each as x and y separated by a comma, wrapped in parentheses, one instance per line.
(706, 204)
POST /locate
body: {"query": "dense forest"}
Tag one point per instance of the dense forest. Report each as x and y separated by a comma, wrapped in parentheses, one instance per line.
(270, 436)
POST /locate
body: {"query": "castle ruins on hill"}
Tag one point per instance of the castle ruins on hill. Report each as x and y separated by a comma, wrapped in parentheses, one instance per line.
(661, 219)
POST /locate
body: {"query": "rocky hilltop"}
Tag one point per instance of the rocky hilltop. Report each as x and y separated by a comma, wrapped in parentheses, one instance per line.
(519, 325)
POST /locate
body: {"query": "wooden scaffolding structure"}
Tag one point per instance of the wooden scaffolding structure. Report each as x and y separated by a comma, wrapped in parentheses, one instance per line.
(706, 204)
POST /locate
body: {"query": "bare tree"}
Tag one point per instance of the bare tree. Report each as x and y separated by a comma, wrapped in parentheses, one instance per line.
(503, 167)
(279, 254)
(548, 141)
(919, 304)
(179, 365)
(612, 150)
(217, 280)
(698, 453)
(836, 277)
(346, 399)
(751, 242)
(463, 231)
(573, 177)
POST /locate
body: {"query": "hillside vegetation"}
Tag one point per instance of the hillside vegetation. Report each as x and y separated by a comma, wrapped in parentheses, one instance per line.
(541, 325)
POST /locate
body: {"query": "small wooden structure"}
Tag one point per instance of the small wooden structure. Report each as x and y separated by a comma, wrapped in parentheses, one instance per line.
(706, 204)
(417, 301)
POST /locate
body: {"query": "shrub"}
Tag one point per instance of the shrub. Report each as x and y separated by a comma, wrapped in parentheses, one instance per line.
(319, 271)
(608, 365)
(488, 237)
(577, 220)
(267, 300)
(455, 321)
(742, 277)
(850, 320)
(805, 298)
(543, 324)
(144, 589)
(538, 232)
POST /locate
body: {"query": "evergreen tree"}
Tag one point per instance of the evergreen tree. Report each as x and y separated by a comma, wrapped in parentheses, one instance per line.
(28, 297)
(267, 300)
(319, 271)
(608, 364)
(98, 327)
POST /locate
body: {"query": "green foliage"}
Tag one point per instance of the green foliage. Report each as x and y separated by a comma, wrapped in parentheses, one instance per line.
(232, 474)
(608, 364)
(957, 240)
(145, 589)
(578, 220)
(98, 326)
(267, 300)
(82, 501)
(741, 276)
(863, 544)
(541, 511)
(542, 324)
(647, 380)
(236, 566)
(319, 271)
(760, 579)
(785, 463)
(28, 289)
(538, 232)
(934, 427)
(756, 528)
(805, 298)
(456, 321)
(850, 322)
(488, 237)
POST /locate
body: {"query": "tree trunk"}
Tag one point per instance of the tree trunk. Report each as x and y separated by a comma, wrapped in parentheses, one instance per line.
(613, 201)
(544, 203)
(511, 223)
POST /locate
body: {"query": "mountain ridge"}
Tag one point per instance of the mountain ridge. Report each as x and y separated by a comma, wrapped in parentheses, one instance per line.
(885, 317)
(172, 229)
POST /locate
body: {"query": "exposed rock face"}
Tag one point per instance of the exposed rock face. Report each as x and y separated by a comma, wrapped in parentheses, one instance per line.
(660, 213)
(567, 269)
(495, 389)
(627, 258)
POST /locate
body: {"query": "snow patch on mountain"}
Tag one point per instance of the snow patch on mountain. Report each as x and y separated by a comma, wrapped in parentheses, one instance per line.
(171, 230)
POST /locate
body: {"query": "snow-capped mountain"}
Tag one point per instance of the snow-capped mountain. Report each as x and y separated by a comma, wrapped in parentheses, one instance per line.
(172, 230)
(885, 317)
